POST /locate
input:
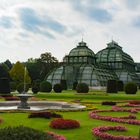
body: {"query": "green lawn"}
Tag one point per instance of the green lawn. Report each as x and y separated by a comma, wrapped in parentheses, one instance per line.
(84, 132)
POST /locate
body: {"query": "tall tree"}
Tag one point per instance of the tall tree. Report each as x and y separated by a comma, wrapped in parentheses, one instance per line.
(48, 58)
(17, 73)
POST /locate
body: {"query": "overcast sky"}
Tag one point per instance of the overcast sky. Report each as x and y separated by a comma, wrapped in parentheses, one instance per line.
(31, 27)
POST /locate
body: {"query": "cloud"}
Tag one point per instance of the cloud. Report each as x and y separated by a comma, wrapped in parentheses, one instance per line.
(6, 22)
(33, 22)
(132, 4)
(93, 10)
(136, 22)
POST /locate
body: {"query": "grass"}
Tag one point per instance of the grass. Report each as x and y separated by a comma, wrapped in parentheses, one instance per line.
(84, 132)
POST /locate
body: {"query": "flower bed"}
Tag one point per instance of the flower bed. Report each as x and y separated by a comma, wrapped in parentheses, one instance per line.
(56, 136)
(44, 114)
(126, 119)
(136, 102)
(64, 124)
(108, 103)
(100, 132)
(11, 98)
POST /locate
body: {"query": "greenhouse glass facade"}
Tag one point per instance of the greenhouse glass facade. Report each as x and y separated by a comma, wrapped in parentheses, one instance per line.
(82, 65)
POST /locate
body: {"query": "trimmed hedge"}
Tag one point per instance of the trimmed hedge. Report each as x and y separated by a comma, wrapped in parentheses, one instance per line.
(57, 88)
(45, 86)
(120, 86)
(130, 88)
(22, 133)
(64, 84)
(4, 85)
(111, 86)
(82, 88)
(75, 85)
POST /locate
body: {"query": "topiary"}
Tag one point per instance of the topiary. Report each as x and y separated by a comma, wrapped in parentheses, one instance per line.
(20, 87)
(64, 84)
(111, 86)
(13, 86)
(75, 85)
(57, 88)
(120, 86)
(23, 133)
(82, 88)
(4, 85)
(45, 86)
(35, 90)
(130, 88)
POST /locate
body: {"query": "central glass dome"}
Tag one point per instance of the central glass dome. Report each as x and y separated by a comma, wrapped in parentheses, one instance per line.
(81, 50)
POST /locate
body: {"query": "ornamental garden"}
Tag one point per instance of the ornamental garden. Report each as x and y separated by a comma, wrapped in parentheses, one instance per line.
(112, 101)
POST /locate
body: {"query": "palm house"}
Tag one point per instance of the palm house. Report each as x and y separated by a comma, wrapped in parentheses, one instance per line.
(82, 65)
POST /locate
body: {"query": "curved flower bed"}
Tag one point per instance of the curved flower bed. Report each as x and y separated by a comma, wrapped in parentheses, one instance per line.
(126, 119)
(64, 124)
(100, 132)
(44, 114)
(56, 136)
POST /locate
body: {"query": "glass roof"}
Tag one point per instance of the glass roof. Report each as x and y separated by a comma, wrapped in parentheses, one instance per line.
(81, 50)
(112, 53)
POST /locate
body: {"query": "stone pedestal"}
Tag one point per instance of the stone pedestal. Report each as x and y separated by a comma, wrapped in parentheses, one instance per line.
(23, 101)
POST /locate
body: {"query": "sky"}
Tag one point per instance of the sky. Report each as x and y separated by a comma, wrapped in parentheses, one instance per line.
(29, 28)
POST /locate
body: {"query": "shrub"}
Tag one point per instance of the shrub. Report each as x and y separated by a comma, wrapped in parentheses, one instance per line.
(82, 88)
(130, 88)
(13, 86)
(108, 103)
(35, 90)
(64, 124)
(64, 84)
(45, 86)
(57, 88)
(24, 133)
(120, 86)
(45, 114)
(75, 85)
(111, 86)
(4, 85)
(20, 87)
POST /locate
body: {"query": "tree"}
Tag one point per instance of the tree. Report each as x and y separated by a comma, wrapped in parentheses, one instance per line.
(48, 58)
(3, 72)
(17, 73)
(8, 63)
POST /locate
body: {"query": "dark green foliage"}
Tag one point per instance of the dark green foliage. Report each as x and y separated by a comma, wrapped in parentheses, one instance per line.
(64, 84)
(36, 86)
(23, 133)
(3, 72)
(35, 90)
(4, 85)
(13, 86)
(120, 86)
(82, 88)
(57, 88)
(75, 85)
(111, 86)
(8, 63)
(20, 87)
(45, 86)
(130, 88)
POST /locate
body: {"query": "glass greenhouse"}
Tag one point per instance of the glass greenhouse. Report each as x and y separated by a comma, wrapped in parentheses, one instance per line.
(83, 65)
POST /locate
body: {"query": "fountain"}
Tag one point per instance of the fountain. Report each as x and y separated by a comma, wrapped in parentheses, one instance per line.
(24, 96)
(36, 105)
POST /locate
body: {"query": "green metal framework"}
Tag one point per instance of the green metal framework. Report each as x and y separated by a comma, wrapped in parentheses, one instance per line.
(82, 65)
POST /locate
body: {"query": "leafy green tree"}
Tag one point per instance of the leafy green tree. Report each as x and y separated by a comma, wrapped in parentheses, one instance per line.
(48, 58)
(17, 73)
(4, 72)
